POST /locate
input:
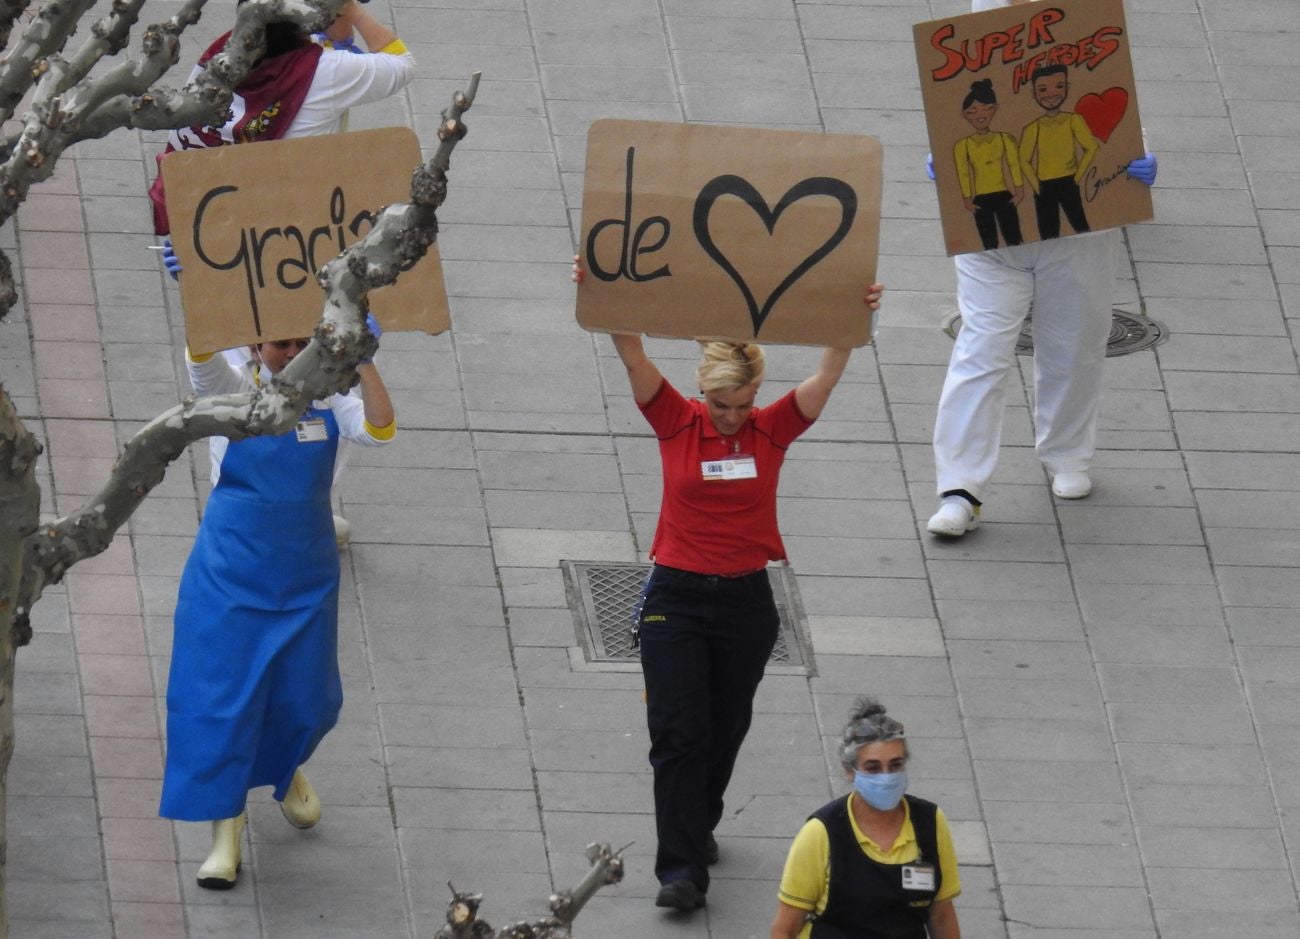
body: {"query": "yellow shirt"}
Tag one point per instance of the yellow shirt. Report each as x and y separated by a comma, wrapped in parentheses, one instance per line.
(980, 158)
(1055, 137)
(805, 883)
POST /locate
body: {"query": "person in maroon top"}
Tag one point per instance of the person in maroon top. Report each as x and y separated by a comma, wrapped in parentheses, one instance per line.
(708, 621)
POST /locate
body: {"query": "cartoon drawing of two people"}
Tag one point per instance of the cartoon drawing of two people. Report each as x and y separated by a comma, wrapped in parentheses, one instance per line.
(1052, 156)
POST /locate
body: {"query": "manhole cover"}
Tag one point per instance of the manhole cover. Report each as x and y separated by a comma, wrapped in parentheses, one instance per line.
(603, 596)
(1129, 332)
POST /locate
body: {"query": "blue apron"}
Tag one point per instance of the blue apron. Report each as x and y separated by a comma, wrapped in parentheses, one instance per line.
(254, 682)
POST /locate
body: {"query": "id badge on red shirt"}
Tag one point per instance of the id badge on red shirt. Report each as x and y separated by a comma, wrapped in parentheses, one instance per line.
(736, 466)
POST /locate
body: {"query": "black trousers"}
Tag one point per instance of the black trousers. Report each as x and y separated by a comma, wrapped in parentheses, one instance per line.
(704, 644)
(994, 210)
(1053, 197)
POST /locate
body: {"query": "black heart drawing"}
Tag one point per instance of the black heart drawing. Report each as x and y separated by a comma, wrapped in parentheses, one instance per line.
(731, 185)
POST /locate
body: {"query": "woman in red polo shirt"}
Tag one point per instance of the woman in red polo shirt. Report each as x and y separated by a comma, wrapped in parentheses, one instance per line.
(708, 623)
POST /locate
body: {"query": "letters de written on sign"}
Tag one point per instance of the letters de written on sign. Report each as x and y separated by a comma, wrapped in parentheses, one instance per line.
(251, 225)
(705, 232)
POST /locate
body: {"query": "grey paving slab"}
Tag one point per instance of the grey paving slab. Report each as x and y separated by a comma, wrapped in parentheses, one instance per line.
(1202, 924)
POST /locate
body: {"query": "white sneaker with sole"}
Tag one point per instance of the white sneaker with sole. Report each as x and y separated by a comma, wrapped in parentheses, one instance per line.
(955, 517)
(1071, 485)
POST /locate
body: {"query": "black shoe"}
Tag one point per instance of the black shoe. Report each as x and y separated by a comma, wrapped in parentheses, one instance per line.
(710, 849)
(680, 895)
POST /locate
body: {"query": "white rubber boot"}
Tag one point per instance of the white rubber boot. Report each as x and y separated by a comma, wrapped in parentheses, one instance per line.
(342, 531)
(221, 869)
(301, 805)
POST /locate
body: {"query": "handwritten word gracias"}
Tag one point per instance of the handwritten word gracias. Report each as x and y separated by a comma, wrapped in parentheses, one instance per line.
(292, 260)
(1011, 45)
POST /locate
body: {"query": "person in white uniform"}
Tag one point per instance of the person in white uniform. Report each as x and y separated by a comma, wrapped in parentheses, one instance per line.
(1068, 283)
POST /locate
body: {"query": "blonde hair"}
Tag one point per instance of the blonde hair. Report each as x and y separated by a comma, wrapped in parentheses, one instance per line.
(727, 366)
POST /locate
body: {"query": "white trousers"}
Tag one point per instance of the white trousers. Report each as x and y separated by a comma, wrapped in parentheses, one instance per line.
(1069, 282)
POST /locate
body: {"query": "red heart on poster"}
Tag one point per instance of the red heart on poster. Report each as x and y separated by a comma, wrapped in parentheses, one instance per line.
(1103, 112)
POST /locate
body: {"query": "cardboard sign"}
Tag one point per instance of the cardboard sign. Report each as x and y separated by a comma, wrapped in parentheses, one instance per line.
(251, 225)
(1033, 118)
(704, 232)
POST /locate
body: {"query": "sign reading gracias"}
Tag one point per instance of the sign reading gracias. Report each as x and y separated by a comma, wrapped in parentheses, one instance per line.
(251, 225)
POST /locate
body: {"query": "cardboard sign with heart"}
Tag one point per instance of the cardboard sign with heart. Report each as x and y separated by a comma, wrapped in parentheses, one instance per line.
(706, 232)
(1033, 120)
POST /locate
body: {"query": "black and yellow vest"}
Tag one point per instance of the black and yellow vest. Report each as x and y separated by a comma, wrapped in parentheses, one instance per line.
(866, 899)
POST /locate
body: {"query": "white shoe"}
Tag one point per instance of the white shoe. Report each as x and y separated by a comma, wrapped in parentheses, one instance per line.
(1071, 485)
(301, 805)
(342, 531)
(221, 869)
(955, 517)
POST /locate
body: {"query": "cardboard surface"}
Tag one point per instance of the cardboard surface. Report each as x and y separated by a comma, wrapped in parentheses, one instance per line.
(252, 224)
(697, 231)
(1080, 142)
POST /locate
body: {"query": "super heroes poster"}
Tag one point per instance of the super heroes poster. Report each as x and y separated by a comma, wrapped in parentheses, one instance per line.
(1033, 116)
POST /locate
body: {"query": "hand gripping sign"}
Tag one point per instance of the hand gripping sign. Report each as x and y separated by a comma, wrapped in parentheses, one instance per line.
(1033, 119)
(251, 225)
(705, 232)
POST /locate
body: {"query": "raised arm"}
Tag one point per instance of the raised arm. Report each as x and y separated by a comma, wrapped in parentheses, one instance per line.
(642, 374)
(374, 395)
(374, 33)
(813, 392)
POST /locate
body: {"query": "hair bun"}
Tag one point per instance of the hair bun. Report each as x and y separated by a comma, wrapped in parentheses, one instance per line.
(865, 708)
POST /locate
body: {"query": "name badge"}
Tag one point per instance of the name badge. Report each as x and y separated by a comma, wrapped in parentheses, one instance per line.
(312, 431)
(918, 876)
(739, 466)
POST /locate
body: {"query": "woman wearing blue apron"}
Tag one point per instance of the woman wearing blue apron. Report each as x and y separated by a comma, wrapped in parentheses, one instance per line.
(254, 683)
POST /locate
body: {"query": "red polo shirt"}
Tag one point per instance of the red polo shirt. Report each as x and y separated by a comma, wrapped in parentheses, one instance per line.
(719, 526)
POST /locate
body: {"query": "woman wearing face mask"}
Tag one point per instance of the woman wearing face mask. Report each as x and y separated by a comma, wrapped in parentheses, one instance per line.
(708, 622)
(877, 864)
(254, 682)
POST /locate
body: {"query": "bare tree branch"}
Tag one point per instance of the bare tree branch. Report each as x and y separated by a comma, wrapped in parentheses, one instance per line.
(45, 35)
(68, 107)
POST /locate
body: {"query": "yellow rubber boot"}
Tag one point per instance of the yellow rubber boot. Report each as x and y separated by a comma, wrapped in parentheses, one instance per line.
(221, 869)
(301, 805)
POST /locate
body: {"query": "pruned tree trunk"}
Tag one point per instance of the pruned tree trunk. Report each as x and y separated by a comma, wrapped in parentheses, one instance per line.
(20, 500)
(462, 909)
(68, 106)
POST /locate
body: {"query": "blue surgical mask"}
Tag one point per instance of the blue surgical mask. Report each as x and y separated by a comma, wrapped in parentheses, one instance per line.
(881, 791)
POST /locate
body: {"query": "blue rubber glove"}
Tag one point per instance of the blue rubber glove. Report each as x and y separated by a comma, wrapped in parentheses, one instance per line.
(376, 330)
(342, 45)
(169, 259)
(929, 166)
(1143, 169)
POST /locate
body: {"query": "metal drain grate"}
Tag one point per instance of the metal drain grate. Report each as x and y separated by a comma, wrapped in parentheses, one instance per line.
(1129, 332)
(603, 597)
